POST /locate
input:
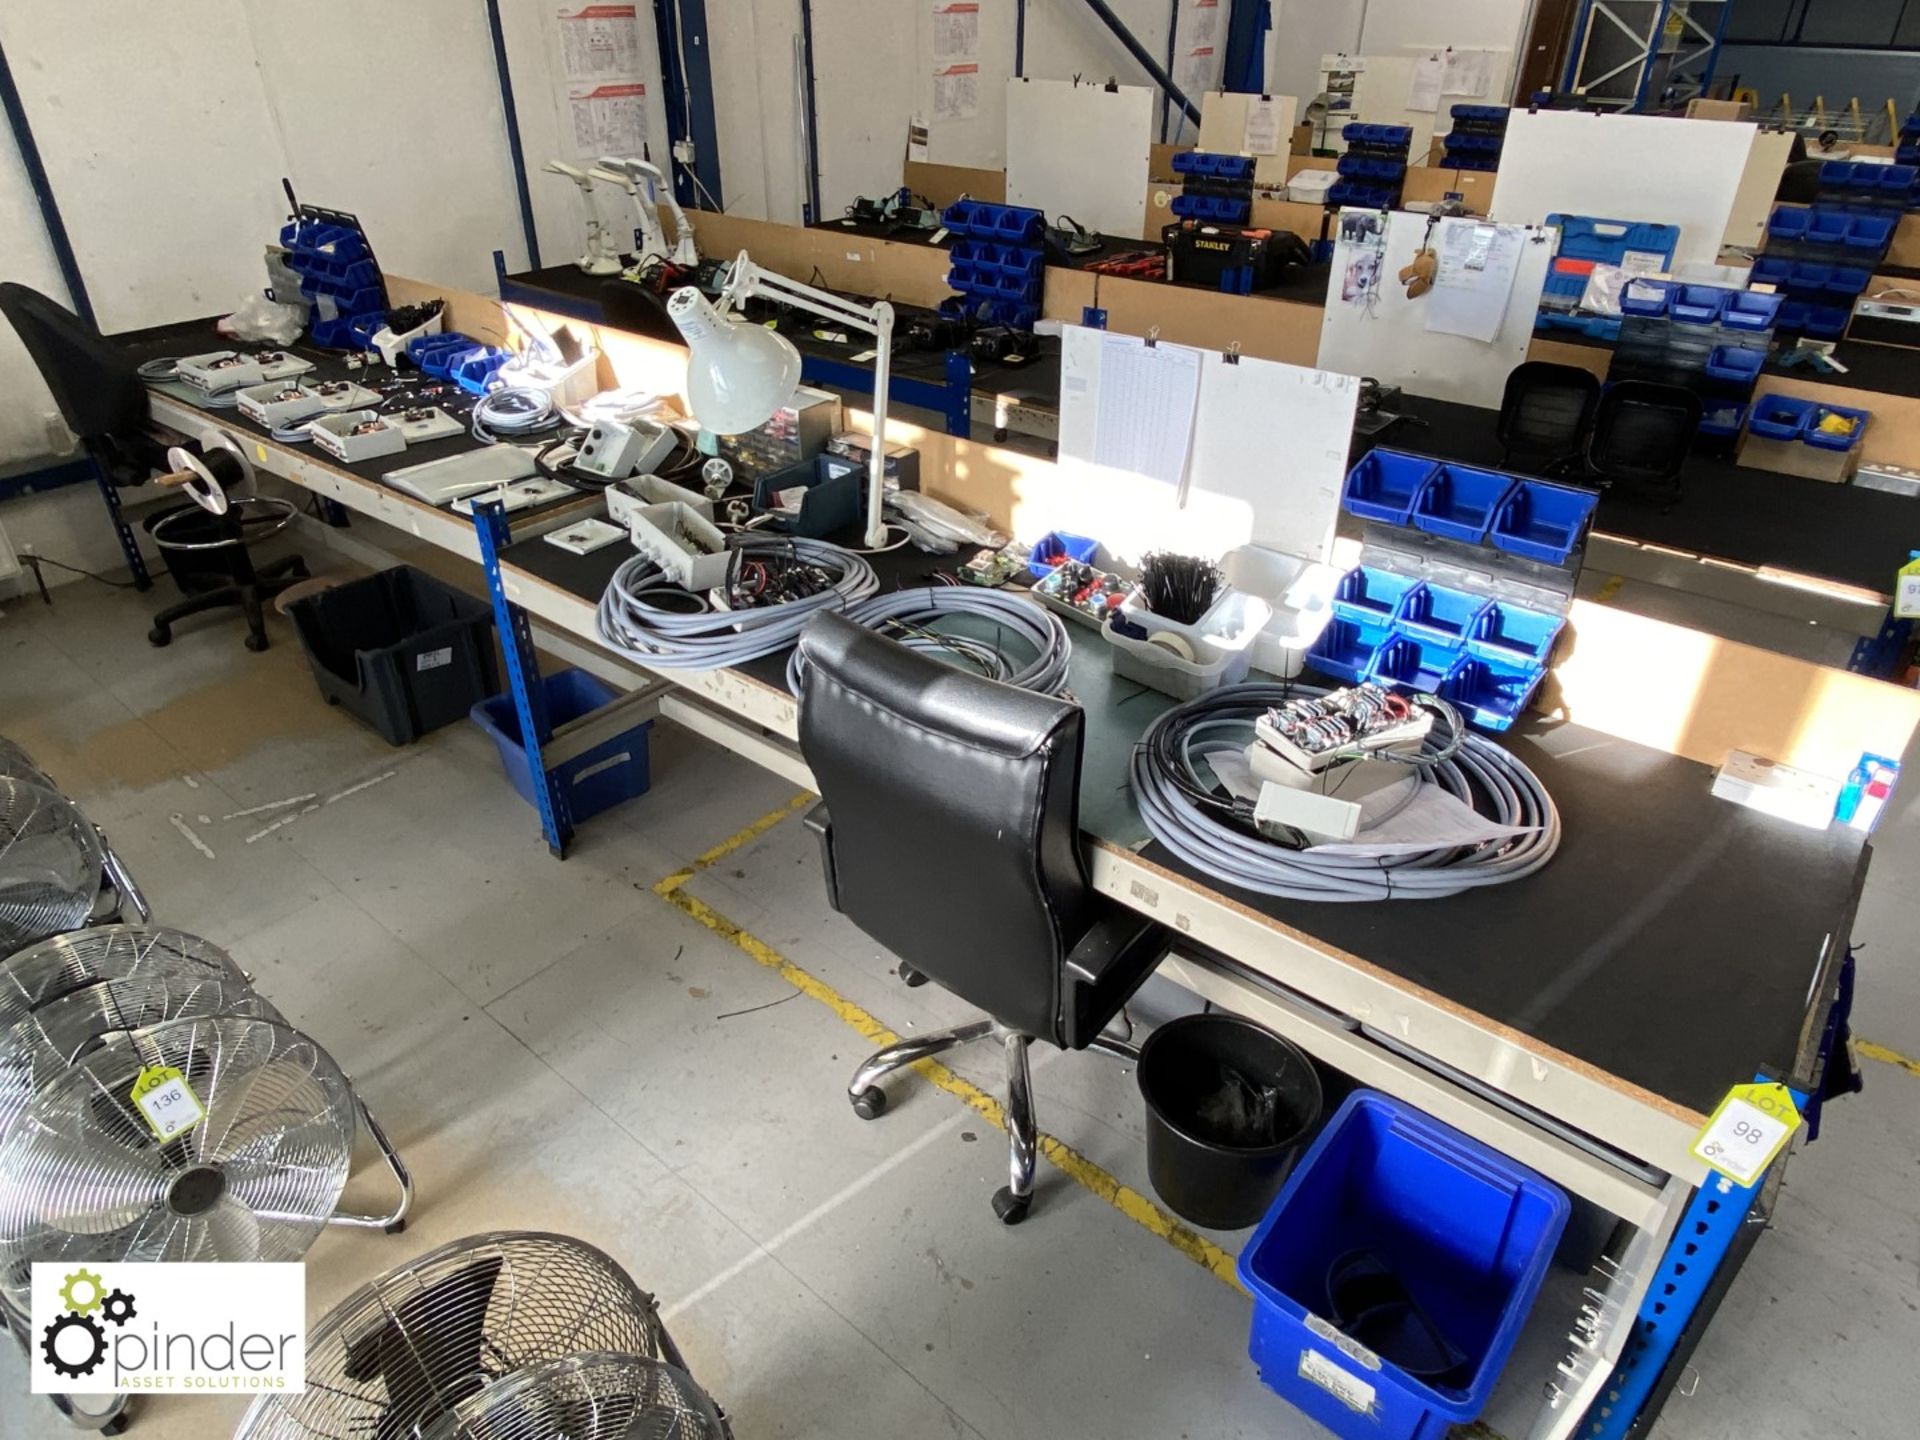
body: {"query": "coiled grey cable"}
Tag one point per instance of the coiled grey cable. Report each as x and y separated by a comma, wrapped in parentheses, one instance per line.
(648, 618)
(910, 616)
(1216, 836)
(511, 411)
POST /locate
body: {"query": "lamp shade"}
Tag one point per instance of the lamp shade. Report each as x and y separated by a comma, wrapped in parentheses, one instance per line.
(737, 374)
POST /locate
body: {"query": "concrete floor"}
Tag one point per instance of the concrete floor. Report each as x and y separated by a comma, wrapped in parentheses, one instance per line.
(559, 1047)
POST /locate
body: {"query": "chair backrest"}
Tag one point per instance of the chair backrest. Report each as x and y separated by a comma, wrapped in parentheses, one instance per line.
(1642, 432)
(954, 804)
(638, 311)
(94, 382)
(1546, 410)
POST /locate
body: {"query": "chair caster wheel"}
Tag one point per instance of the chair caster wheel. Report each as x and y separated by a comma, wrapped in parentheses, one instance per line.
(398, 1227)
(256, 643)
(117, 1425)
(912, 978)
(159, 635)
(870, 1103)
(1010, 1208)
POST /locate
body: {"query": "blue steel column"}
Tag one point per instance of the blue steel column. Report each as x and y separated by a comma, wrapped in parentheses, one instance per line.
(514, 152)
(523, 679)
(129, 545)
(810, 211)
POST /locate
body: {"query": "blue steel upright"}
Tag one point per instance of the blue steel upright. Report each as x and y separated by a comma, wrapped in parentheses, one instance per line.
(523, 678)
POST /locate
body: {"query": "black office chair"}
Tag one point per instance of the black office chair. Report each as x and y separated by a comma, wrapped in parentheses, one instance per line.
(637, 310)
(1544, 415)
(949, 832)
(98, 391)
(1642, 434)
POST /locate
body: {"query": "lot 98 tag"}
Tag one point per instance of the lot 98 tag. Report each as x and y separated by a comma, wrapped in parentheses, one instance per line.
(166, 1102)
(1750, 1127)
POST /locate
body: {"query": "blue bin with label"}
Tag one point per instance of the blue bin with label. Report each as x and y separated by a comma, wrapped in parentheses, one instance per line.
(592, 781)
(1397, 1228)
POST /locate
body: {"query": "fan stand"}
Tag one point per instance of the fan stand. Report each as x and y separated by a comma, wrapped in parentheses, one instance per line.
(110, 1421)
(395, 1220)
(123, 882)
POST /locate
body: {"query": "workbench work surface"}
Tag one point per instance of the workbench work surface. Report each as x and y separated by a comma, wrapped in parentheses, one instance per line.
(1671, 945)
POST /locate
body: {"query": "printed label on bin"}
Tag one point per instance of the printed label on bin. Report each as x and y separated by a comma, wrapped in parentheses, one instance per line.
(1355, 1394)
(434, 659)
(1344, 1343)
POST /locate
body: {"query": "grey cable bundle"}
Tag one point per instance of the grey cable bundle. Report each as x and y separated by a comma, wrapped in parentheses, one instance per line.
(910, 616)
(648, 618)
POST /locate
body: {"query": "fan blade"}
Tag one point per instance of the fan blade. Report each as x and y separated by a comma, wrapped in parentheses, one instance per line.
(260, 1105)
(81, 1182)
(228, 1232)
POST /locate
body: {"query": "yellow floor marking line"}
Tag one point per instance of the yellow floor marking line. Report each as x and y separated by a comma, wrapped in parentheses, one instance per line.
(744, 836)
(1070, 1162)
(1885, 1056)
(1609, 589)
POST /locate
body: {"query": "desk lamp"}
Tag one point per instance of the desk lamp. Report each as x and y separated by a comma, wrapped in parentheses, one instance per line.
(739, 374)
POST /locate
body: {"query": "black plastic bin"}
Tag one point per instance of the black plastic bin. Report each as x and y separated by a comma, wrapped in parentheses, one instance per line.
(400, 650)
(1206, 1080)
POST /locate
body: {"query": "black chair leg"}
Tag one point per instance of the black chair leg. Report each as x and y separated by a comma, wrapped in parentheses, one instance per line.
(256, 640)
(219, 598)
(1012, 1203)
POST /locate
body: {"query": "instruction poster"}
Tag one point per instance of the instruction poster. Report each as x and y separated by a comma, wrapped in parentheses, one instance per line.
(956, 32)
(1474, 281)
(599, 42)
(608, 119)
(956, 92)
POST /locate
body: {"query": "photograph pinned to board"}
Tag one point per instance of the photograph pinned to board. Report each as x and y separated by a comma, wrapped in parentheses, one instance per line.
(1363, 238)
(1473, 282)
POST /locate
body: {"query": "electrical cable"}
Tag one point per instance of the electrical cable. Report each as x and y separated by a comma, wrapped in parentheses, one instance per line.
(648, 618)
(911, 617)
(163, 367)
(34, 558)
(1216, 835)
(512, 411)
(298, 434)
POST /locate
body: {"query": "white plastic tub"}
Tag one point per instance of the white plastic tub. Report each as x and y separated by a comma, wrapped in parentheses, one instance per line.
(1300, 595)
(1220, 645)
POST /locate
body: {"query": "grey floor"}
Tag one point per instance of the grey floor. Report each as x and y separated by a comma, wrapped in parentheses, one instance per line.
(557, 1047)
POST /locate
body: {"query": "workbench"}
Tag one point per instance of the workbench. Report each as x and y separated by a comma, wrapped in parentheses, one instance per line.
(1584, 1021)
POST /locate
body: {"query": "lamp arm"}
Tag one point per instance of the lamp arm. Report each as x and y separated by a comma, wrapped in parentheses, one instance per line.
(746, 280)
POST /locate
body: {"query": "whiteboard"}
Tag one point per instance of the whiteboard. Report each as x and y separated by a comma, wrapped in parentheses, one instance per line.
(1080, 150)
(1384, 335)
(1223, 131)
(1268, 460)
(1625, 167)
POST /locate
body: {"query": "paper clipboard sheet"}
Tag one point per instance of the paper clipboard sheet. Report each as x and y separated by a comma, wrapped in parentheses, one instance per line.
(1263, 451)
(1473, 285)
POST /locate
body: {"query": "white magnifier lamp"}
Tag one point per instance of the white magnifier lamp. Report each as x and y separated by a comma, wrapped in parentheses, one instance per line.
(739, 374)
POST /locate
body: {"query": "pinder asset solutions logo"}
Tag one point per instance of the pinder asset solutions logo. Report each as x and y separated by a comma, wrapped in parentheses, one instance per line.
(169, 1329)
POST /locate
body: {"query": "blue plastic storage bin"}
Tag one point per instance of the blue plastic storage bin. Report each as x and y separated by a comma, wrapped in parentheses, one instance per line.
(1515, 634)
(1646, 299)
(1492, 693)
(1385, 484)
(1723, 417)
(1371, 597)
(1468, 1233)
(1460, 502)
(1735, 365)
(1787, 226)
(596, 779)
(1542, 522)
(1748, 311)
(1779, 417)
(1770, 270)
(1870, 235)
(1697, 304)
(1346, 648)
(1827, 322)
(1418, 664)
(1056, 546)
(1441, 614)
(1812, 434)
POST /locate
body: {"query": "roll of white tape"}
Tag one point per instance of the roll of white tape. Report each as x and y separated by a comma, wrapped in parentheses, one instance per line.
(1176, 643)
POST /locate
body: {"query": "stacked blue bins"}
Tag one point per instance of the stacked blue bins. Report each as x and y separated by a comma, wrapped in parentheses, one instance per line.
(1214, 188)
(1823, 257)
(1482, 650)
(1478, 135)
(597, 779)
(459, 358)
(1374, 167)
(1709, 339)
(1394, 1273)
(997, 262)
(1907, 152)
(338, 279)
(1587, 241)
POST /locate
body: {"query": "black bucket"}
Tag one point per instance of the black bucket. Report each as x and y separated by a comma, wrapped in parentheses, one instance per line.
(1229, 1107)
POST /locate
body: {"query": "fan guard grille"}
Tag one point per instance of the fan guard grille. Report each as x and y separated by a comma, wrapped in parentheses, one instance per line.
(398, 1355)
(37, 1047)
(51, 863)
(587, 1397)
(64, 963)
(17, 764)
(83, 1178)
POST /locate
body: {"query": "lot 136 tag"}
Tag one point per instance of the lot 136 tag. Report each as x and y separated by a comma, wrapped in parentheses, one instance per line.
(166, 1102)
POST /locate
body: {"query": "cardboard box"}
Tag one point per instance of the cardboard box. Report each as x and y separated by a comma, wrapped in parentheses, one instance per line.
(1718, 110)
(1796, 457)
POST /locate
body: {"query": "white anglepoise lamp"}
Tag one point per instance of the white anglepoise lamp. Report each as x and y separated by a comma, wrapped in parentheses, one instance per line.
(602, 256)
(739, 374)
